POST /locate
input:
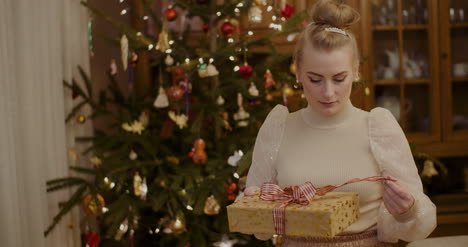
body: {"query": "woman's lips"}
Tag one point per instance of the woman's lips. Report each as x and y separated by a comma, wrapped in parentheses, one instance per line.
(328, 103)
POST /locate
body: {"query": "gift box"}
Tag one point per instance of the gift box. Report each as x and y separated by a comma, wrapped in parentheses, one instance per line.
(324, 216)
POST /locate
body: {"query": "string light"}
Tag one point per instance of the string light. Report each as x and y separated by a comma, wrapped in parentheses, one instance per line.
(189, 208)
(169, 51)
(121, 1)
(250, 33)
(236, 10)
(187, 60)
(230, 40)
(106, 180)
(123, 12)
(218, 13)
(105, 210)
(211, 60)
(138, 33)
(157, 230)
(269, 8)
(145, 17)
(171, 42)
(232, 58)
(240, 5)
(236, 68)
(150, 46)
(236, 175)
(112, 185)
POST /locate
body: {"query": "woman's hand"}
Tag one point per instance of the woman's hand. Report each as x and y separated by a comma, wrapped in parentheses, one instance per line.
(397, 199)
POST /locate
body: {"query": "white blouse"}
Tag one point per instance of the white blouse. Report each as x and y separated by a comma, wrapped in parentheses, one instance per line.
(292, 148)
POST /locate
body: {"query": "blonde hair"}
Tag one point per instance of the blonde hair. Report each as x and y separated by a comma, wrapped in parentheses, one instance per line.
(329, 18)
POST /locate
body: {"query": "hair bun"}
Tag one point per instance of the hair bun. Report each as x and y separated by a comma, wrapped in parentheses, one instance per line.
(334, 13)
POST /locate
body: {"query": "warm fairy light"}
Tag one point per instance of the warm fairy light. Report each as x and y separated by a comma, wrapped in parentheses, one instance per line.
(269, 8)
(138, 33)
(236, 10)
(250, 33)
(112, 185)
(123, 12)
(187, 60)
(218, 13)
(232, 58)
(150, 46)
(105, 210)
(273, 18)
(283, 19)
(145, 17)
(121, 1)
(211, 60)
(106, 180)
(240, 5)
(189, 208)
(236, 68)
(169, 51)
(157, 230)
(171, 42)
(236, 175)
(200, 60)
(230, 40)
(177, 224)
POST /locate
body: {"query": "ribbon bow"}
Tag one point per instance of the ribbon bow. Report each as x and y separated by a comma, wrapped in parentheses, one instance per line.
(302, 194)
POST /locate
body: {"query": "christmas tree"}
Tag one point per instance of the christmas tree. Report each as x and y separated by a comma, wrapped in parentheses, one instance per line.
(172, 156)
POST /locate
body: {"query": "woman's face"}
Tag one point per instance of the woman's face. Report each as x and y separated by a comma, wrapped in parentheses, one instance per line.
(327, 78)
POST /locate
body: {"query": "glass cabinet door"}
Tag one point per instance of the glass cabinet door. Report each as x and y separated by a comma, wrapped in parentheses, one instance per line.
(404, 66)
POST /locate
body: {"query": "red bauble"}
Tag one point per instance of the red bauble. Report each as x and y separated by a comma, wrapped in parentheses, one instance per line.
(227, 28)
(175, 93)
(246, 71)
(92, 239)
(288, 11)
(231, 188)
(170, 13)
(232, 197)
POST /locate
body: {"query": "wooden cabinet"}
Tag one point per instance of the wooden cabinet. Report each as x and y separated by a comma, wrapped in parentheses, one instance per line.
(416, 59)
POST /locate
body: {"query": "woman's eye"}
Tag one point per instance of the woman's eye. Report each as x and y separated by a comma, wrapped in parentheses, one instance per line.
(314, 81)
(340, 79)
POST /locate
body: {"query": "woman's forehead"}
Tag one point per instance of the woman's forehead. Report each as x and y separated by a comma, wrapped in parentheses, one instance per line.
(332, 62)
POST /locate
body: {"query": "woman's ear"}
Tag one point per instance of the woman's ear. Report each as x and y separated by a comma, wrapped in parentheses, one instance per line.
(356, 72)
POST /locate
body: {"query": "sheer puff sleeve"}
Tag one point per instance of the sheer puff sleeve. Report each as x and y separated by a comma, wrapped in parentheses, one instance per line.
(392, 152)
(266, 148)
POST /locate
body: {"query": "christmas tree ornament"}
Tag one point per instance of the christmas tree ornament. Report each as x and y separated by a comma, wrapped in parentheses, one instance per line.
(232, 197)
(163, 39)
(246, 71)
(92, 239)
(202, 70)
(287, 11)
(177, 226)
(429, 169)
(226, 124)
(211, 206)
(124, 51)
(225, 242)
(137, 183)
(135, 127)
(175, 93)
(95, 161)
(253, 92)
(227, 28)
(231, 188)
(113, 67)
(170, 13)
(199, 154)
(144, 118)
(269, 82)
(81, 119)
(241, 115)
(233, 159)
(134, 59)
(211, 70)
(268, 96)
(179, 119)
(162, 100)
(220, 100)
(255, 14)
(169, 61)
(292, 68)
(132, 155)
(93, 204)
(72, 154)
(123, 228)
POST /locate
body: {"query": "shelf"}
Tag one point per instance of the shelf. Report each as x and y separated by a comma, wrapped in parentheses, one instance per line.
(398, 27)
(459, 25)
(416, 81)
(387, 82)
(460, 79)
(405, 81)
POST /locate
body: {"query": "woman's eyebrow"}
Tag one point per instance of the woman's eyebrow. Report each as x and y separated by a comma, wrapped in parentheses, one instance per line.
(317, 74)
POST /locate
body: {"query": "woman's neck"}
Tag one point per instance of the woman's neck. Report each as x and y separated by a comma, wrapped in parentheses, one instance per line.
(318, 120)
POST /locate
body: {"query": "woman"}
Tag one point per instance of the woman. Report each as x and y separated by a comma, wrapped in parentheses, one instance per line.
(331, 141)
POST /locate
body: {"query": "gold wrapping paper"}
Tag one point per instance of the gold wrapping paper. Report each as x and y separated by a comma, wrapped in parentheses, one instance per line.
(325, 216)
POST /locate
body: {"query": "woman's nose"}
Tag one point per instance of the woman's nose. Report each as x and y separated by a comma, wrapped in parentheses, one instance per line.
(328, 90)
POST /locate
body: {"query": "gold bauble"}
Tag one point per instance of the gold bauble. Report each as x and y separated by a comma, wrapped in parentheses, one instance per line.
(177, 226)
(211, 206)
(81, 119)
(93, 204)
(292, 68)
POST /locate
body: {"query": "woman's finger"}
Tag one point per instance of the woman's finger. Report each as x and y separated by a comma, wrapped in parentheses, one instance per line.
(389, 204)
(405, 201)
(251, 190)
(399, 190)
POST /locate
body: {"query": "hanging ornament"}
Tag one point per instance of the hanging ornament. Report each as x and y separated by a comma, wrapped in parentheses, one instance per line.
(135, 127)
(292, 68)
(268, 96)
(163, 39)
(429, 169)
(212, 71)
(179, 119)
(241, 115)
(95, 161)
(123, 228)
(287, 90)
(92, 239)
(232, 197)
(134, 60)
(175, 93)
(231, 188)
(124, 51)
(170, 13)
(161, 100)
(113, 67)
(253, 92)
(227, 28)
(177, 226)
(226, 124)
(72, 154)
(220, 100)
(269, 82)
(93, 204)
(137, 183)
(144, 118)
(255, 14)
(211, 206)
(287, 11)
(202, 70)
(169, 61)
(233, 159)
(199, 154)
(246, 71)
(132, 155)
(81, 119)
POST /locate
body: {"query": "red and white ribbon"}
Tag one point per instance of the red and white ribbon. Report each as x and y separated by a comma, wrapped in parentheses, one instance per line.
(302, 194)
